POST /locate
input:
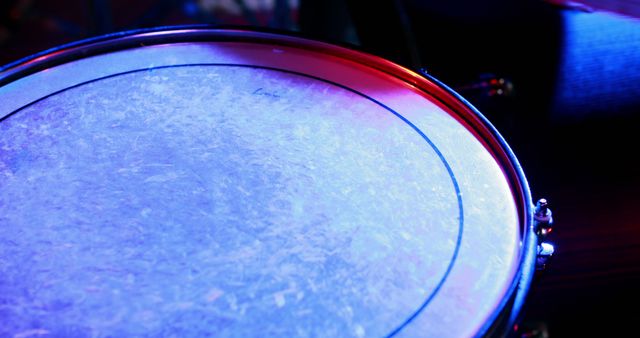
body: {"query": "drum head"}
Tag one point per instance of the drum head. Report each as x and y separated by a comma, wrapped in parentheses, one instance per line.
(235, 184)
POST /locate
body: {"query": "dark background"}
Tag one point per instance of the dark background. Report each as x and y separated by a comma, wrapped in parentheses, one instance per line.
(569, 109)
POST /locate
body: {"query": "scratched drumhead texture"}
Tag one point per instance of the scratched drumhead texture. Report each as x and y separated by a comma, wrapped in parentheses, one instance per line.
(240, 190)
(178, 202)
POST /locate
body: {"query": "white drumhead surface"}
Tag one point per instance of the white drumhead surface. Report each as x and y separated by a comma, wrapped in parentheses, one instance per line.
(233, 198)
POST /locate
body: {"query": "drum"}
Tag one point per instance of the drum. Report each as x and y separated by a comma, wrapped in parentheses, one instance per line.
(191, 182)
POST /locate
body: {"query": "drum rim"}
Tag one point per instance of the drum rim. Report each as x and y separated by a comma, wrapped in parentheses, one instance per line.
(506, 315)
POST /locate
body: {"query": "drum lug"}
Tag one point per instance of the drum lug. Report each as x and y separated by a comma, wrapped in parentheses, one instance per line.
(544, 252)
(542, 219)
(543, 226)
(486, 86)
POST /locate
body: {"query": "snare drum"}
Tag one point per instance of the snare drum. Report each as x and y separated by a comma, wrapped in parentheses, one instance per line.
(199, 182)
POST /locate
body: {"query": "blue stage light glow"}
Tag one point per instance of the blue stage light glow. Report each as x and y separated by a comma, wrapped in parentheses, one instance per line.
(600, 68)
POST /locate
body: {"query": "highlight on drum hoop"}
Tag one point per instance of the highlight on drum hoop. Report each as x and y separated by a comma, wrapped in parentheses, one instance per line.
(197, 182)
